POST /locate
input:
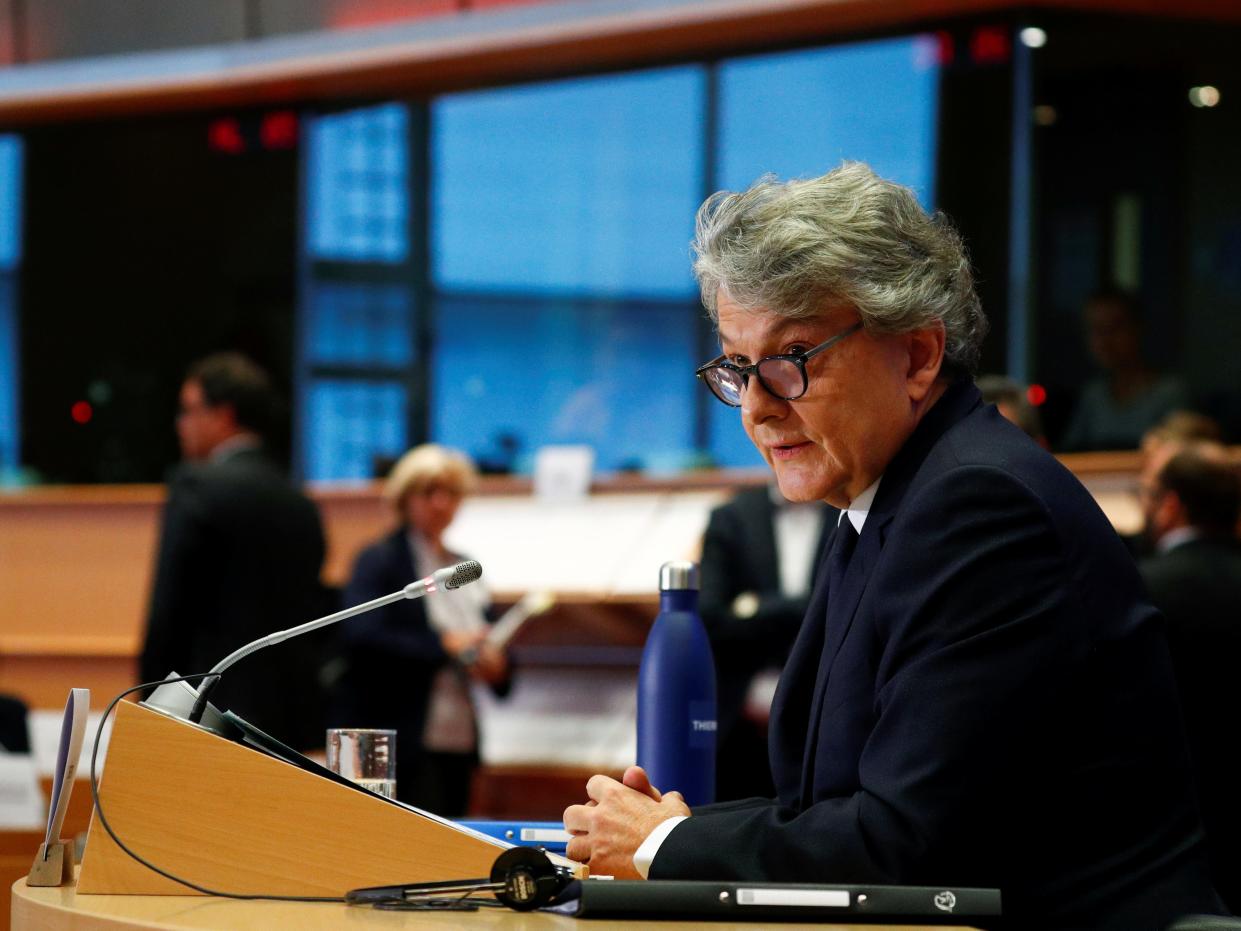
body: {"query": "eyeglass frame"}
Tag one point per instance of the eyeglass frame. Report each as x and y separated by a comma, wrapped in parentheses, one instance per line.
(799, 359)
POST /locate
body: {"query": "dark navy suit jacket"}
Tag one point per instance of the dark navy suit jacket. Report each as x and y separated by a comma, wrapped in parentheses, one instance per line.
(986, 701)
(392, 653)
(239, 556)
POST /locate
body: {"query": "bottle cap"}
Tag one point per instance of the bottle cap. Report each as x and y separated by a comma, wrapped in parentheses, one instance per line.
(678, 575)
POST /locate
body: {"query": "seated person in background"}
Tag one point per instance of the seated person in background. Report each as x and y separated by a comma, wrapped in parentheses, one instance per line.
(1178, 431)
(1128, 398)
(1010, 400)
(239, 556)
(1194, 577)
(408, 665)
(1179, 427)
(980, 694)
(759, 553)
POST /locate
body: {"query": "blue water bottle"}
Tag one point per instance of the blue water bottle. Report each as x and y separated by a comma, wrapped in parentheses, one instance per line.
(676, 692)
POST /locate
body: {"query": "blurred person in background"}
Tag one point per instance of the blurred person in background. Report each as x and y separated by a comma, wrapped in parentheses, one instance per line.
(14, 732)
(1178, 431)
(239, 557)
(1011, 401)
(409, 665)
(759, 554)
(1128, 397)
(1179, 427)
(1192, 507)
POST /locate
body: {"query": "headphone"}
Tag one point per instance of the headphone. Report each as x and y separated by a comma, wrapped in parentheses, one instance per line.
(529, 877)
(523, 878)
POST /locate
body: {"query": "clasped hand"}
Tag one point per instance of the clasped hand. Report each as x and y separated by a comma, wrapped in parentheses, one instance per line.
(609, 828)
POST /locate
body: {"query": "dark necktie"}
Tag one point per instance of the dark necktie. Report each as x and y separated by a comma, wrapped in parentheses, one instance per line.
(843, 543)
(842, 549)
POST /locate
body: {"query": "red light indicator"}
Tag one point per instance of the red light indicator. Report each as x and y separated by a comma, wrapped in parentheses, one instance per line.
(81, 412)
(224, 135)
(279, 130)
(1036, 395)
(945, 48)
(989, 45)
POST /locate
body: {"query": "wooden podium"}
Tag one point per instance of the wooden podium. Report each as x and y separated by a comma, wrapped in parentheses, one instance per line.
(233, 819)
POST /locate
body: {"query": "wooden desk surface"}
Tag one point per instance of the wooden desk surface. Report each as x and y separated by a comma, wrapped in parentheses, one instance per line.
(54, 908)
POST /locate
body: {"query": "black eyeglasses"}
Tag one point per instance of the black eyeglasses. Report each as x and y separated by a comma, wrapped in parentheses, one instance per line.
(783, 376)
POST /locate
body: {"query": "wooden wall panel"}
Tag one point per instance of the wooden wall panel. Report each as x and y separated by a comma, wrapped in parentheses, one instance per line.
(75, 570)
(76, 566)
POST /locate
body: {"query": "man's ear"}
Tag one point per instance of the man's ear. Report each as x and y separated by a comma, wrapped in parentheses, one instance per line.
(226, 414)
(926, 358)
(1170, 511)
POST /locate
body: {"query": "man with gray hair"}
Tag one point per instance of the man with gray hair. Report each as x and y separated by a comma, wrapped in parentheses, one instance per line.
(980, 695)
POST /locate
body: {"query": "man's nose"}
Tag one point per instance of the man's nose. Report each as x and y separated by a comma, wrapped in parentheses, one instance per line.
(758, 404)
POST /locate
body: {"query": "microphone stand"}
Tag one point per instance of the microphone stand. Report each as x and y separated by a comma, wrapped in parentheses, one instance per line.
(183, 701)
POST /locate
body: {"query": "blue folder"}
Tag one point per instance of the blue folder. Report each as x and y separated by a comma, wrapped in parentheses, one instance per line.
(550, 835)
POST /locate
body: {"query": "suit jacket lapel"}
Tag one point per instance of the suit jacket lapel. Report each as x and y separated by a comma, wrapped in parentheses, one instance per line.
(791, 706)
(841, 607)
(958, 400)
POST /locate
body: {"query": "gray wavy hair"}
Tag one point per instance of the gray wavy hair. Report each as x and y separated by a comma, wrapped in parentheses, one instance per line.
(790, 247)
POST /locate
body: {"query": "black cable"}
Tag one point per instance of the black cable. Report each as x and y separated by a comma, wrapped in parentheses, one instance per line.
(94, 791)
(200, 703)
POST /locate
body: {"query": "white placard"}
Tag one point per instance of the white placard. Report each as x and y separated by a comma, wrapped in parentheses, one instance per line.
(21, 802)
(562, 473)
(806, 898)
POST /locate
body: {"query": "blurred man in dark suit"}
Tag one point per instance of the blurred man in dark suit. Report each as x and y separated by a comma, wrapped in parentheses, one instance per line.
(239, 557)
(759, 553)
(1194, 577)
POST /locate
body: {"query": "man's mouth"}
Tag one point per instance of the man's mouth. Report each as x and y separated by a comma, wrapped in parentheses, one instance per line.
(784, 451)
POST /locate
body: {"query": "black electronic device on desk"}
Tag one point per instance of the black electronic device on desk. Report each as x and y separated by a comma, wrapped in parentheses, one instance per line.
(525, 879)
(758, 901)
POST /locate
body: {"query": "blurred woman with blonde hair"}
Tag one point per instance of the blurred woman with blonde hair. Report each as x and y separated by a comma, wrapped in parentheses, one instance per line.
(410, 664)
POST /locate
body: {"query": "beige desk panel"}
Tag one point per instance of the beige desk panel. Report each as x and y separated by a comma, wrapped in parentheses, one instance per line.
(61, 908)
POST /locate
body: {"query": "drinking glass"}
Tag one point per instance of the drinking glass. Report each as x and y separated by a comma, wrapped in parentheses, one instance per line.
(364, 755)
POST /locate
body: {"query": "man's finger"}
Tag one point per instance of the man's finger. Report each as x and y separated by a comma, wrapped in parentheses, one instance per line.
(636, 778)
(578, 849)
(598, 786)
(675, 796)
(577, 819)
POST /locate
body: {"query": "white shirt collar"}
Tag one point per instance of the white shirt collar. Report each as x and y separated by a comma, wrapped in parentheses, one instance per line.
(1174, 538)
(859, 507)
(233, 445)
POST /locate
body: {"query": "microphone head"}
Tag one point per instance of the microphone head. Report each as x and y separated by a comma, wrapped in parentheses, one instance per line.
(463, 573)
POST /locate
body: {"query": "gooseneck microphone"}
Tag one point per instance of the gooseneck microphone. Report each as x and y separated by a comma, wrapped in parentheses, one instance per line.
(175, 698)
